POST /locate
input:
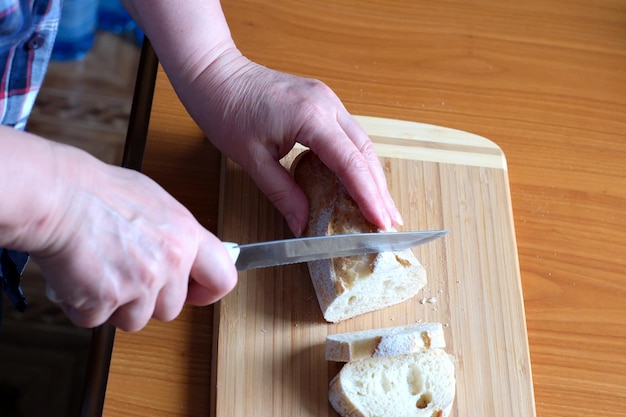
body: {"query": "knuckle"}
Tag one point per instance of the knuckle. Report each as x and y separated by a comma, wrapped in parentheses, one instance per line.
(317, 98)
(279, 197)
(86, 316)
(368, 151)
(353, 163)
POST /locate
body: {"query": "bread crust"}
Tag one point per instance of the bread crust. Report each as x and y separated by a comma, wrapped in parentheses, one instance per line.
(354, 285)
(389, 341)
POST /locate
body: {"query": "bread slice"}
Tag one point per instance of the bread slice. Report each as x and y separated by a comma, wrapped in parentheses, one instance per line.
(390, 341)
(350, 286)
(420, 384)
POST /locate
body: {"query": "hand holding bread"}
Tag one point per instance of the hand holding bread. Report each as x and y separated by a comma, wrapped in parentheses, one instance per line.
(255, 116)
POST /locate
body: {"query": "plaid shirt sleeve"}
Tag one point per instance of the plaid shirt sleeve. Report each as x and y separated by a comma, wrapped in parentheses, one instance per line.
(27, 32)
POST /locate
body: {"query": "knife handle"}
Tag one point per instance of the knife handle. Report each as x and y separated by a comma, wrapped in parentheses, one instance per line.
(233, 250)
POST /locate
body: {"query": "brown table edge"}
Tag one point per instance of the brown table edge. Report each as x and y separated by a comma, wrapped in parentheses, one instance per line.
(101, 347)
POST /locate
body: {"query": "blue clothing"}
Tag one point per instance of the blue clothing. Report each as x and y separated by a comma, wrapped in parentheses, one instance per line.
(12, 264)
(27, 32)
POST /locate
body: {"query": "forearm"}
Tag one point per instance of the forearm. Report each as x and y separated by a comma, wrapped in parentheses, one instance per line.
(187, 35)
(30, 174)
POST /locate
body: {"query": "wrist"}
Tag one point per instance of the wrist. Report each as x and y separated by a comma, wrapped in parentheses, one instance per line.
(35, 174)
(186, 35)
(68, 174)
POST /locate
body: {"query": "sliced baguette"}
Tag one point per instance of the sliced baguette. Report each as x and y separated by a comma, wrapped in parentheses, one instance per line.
(420, 384)
(350, 286)
(346, 347)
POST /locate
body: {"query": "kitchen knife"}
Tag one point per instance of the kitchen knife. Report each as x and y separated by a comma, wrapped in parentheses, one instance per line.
(289, 251)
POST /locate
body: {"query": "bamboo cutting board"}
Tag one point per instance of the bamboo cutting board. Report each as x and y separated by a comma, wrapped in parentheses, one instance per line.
(270, 334)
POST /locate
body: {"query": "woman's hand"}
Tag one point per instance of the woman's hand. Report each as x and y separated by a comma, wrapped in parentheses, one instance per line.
(255, 116)
(116, 247)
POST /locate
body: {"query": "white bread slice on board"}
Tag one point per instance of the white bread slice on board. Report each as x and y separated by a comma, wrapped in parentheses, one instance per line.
(390, 341)
(347, 287)
(420, 384)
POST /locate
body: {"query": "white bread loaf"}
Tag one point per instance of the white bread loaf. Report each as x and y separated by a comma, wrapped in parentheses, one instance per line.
(349, 286)
(390, 341)
(420, 384)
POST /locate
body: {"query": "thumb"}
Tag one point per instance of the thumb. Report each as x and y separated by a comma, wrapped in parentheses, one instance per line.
(213, 273)
(281, 189)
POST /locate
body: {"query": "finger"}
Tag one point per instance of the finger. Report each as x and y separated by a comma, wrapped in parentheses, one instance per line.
(213, 274)
(86, 317)
(135, 309)
(342, 156)
(171, 299)
(85, 307)
(133, 316)
(363, 142)
(280, 188)
(199, 295)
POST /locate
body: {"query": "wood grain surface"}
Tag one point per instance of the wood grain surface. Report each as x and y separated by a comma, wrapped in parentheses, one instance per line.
(546, 81)
(270, 334)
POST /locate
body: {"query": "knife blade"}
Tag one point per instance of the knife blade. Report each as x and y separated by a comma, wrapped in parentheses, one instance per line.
(289, 251)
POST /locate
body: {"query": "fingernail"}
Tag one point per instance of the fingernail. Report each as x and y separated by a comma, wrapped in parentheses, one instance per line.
(386, 220)
(294, 225)
(397, 217)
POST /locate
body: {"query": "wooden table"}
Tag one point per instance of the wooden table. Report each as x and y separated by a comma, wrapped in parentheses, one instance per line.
(546, 81)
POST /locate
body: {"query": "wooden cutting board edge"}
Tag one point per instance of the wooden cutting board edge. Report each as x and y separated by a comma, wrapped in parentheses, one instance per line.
(435, 144)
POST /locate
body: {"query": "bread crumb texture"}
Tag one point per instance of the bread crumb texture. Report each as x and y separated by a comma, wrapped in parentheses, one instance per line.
(354, 285)
(421, 384)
